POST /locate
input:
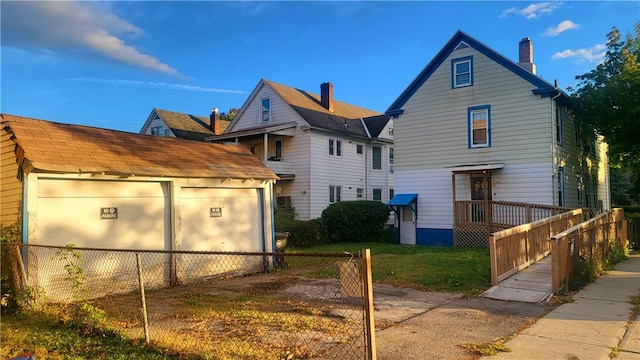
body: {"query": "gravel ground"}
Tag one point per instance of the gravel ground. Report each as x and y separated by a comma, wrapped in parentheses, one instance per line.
(413, 324)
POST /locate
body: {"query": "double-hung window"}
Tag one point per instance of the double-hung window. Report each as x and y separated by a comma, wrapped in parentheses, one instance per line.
(390, 159)
(558, 125)
(376, 158)
(265, 110)
(335, 193)
(156, 130)
(560, 186)
(335, 147)
(462, 72)
(376, 195)
(479, 126)
(359, 193)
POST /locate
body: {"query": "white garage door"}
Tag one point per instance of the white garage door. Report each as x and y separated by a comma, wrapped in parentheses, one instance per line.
(221, 219)
(103, 214)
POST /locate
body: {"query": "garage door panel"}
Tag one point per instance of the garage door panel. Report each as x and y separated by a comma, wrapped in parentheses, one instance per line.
(236, 227)
(75, 217)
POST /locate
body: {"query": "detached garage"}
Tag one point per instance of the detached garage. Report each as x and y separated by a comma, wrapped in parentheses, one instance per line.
(108, 189)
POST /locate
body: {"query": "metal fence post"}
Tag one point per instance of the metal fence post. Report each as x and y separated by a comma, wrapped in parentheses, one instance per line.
(370, 329)
(142, 299)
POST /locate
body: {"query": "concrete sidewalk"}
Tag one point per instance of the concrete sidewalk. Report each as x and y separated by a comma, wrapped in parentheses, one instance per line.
(594, 326)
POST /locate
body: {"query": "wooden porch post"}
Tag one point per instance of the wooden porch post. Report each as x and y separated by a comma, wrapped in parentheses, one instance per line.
(453, 192)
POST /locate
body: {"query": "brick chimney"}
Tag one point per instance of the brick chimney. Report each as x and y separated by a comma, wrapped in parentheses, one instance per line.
(326, 96)
(215, 121)
(525, 51)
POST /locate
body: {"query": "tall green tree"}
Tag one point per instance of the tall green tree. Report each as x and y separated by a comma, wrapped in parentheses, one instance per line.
(607, 102)
(607, 99)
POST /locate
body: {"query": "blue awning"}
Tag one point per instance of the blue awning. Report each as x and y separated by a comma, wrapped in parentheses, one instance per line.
(402, 200)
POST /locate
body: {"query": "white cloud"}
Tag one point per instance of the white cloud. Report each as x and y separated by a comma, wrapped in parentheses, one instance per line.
(533, 10)
(157, 84)
(594, 54)
(66, 26)
(562, 27)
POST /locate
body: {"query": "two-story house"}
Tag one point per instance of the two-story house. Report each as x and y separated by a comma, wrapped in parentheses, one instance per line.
(323, 150)
(184, 126)
(478, 138)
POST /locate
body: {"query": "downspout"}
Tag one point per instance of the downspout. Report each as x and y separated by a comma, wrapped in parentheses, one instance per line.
(554, 141)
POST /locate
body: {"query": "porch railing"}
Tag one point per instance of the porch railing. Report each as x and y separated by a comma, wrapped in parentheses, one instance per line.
(475, 220)
(516, 248)
(502, 213)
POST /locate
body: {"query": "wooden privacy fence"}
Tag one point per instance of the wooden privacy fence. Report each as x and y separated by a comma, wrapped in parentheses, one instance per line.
(588, 242)
(512, 250)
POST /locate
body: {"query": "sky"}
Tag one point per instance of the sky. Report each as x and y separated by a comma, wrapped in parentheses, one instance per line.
(108, 64)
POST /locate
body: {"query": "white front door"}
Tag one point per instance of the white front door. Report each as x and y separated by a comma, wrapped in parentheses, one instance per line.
(407, 226)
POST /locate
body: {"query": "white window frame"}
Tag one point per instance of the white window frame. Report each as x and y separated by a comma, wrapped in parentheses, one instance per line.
(373, 158)
(359, 193)
(484, 109)
(359, 149)
(167, 132)
(392, 193)
(454, 72)
(265, 114)
(580, 182)
(379, 193)
(391, 160)
(156, 131)
(335, 147)
(335, 193)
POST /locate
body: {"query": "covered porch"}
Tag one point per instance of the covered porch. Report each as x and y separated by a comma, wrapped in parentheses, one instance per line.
(477, 215)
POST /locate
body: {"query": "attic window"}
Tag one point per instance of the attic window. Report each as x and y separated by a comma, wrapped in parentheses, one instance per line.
(461, 45)
(462, 72)
(265, 110)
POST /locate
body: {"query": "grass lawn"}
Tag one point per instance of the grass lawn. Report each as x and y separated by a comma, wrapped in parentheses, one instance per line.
(43, 336)
(431, 268)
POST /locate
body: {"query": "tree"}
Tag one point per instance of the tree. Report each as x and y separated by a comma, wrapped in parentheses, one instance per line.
(230, 115)
(607, 101)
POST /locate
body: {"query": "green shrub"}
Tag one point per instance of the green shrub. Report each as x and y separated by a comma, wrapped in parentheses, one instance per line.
(283, 219)
(303, 235)
(10, 286)
(355, 221)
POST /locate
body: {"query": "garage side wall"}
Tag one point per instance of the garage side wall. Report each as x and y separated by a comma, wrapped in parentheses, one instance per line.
(10, 186)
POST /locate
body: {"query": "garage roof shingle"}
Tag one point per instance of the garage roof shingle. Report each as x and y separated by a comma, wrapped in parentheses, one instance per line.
(44, 146)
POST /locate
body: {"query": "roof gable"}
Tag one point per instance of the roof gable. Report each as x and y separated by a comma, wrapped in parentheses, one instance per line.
(461, 40)
(184, 126)
(344, 118)
(44, 146)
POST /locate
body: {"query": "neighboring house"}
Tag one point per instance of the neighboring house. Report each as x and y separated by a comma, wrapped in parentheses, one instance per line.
(184, 126)
(478, 136)
(101, 188)
(322, 149)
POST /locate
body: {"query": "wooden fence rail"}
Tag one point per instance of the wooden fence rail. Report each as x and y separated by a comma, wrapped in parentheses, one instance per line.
(516, 248)
(589, 241)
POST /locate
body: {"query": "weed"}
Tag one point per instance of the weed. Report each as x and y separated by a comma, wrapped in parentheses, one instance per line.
(485, 349)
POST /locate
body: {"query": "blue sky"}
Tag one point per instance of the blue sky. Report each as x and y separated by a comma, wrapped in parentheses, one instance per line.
(108, 64)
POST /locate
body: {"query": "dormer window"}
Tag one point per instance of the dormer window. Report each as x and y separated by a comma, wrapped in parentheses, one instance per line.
(462, 72)
(265, 114)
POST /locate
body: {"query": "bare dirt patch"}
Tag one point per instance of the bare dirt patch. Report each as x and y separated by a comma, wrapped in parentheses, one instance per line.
(257, 314)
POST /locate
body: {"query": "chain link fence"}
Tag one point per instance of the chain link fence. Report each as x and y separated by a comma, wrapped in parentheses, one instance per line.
(214, 305)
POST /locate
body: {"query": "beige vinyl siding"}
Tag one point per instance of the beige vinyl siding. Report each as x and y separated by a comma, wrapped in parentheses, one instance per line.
(10, 186)
(527, 183)
(433, 131)
(297, 152)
